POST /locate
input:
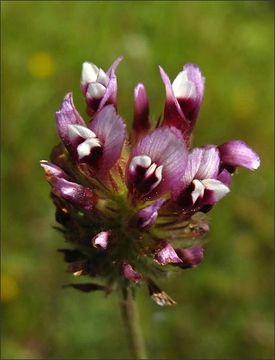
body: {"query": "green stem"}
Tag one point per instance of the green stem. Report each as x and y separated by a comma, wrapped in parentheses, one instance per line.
(131, 320)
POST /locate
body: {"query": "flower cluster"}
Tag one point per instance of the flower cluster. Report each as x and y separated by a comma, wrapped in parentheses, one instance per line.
(133, 207)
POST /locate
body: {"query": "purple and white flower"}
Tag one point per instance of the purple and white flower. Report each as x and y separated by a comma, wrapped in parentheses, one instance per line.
(201, 184)
(183, 98)
(99, 144)
(134, 206)
(156, 164)
(99, 87)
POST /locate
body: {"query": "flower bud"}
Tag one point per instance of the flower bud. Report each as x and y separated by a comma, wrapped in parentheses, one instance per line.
(141, 112)
(190, 257)
(98, 87)
(183, 98)
(101, 240)
(81, 196)
(147, 216)
(167, 255)
(129, 273)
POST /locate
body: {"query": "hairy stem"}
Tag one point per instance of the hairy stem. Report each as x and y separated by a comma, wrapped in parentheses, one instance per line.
(131, 320)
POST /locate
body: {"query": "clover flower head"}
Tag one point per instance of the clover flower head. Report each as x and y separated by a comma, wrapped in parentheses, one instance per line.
(133, 207)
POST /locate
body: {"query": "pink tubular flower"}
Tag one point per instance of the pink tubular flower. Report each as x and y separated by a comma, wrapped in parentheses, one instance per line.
(134, 206)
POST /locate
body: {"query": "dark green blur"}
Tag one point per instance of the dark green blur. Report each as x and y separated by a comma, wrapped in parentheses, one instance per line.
(225, 306)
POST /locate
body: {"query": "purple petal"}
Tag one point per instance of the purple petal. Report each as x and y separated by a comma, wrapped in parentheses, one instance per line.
(209, 163)
(67, 115)
(52, 170)
(76, 194)
(191, 105)
(111, 131)
(173, 114)
(113, 67)
(190, 257)
(110, 96)
(101, 240)
(225, 177)
(141, 111)
(165, 148)
(147, 216)
(202, 163)
(237, 153)
(167, 255)
(193, 164)
(129, 273)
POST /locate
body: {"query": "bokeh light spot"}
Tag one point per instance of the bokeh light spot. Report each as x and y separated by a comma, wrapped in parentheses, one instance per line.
(41, 65)
(9, 288)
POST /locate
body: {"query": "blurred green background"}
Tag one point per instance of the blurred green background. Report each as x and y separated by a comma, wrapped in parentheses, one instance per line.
(225, 306)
